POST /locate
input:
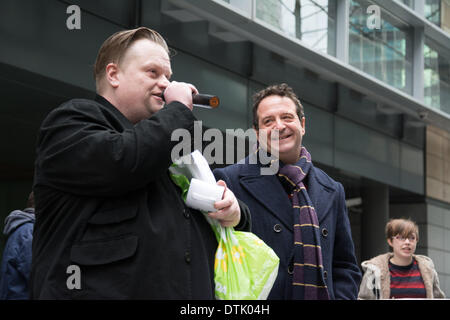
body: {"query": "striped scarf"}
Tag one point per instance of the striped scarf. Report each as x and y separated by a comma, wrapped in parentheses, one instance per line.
(308, 282)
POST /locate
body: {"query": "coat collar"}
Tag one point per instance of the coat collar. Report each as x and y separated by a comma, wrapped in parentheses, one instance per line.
(382, 263)
(268, 190)
(119, 115)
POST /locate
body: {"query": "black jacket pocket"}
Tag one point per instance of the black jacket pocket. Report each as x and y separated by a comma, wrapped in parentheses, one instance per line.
(104, 251)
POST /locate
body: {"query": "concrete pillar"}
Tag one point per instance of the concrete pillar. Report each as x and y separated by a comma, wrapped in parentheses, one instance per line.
(375, 203)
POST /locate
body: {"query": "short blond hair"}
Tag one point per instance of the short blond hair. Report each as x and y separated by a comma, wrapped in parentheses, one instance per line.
(115, 47)
(402, 227)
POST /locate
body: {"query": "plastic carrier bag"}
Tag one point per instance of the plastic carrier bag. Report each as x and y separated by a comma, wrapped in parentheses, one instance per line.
(245, 268)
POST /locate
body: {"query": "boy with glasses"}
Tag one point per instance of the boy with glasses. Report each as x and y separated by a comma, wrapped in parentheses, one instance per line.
(400, 274)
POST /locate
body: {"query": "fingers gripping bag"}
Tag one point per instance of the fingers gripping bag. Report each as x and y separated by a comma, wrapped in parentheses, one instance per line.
(245, 268)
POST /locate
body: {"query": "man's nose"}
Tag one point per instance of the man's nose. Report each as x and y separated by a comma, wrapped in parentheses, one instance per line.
(163, 82)
(279, 124)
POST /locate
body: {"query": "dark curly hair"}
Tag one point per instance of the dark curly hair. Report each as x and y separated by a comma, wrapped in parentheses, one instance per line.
(282, 90)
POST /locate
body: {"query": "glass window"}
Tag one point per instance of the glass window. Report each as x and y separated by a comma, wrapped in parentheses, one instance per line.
(437, 77)
(438, 12)
(244, 5)
(384, 52)
(311, 21)
(409, 3)
(433, 11)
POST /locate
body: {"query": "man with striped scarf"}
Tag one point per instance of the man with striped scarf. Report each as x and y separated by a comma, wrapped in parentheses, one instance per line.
(299, 210)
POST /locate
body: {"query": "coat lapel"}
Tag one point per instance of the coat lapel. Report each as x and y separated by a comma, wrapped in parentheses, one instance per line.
(321, 195)
(267, 190)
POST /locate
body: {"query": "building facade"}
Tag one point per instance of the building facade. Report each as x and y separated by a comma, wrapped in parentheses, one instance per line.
(373, 76)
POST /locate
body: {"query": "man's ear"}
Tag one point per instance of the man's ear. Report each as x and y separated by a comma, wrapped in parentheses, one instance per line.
(303, 123)
(111, 74)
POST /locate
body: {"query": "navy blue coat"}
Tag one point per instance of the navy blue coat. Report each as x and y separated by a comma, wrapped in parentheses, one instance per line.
(16, 260)
(272, 221)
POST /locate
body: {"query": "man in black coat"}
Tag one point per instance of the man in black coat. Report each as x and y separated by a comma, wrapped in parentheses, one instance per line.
(111, 223)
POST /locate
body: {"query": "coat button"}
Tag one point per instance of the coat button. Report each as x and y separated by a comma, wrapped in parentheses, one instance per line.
(325, 232)
(187, 256)
(325, 275)
(186, 213)
(290, 269)
(277, 228)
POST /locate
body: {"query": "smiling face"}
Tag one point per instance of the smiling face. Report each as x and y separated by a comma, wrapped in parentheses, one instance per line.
(140, 78)
(277, 114)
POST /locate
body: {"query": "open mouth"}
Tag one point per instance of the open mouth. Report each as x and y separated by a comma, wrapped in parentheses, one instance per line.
(284, 137)
(158, 96)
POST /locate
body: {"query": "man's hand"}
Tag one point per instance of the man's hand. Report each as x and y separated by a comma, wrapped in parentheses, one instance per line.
(181, 92)
(228, 210)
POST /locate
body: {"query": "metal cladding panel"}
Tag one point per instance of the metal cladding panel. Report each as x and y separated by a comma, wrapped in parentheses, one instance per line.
(42, 43)
(412, 169)
(367, 153)
(318, 139)
(229, 87)
(121, 12)
(272, 68)
(363, 151)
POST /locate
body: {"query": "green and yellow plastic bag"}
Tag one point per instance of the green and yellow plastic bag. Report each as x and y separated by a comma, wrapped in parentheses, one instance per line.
(245, 268)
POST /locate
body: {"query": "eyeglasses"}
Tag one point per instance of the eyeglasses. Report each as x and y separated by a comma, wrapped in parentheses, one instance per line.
(401, 238)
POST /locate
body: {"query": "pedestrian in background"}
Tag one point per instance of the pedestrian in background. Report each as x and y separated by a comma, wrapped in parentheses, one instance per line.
(400, 273)
(16, 261)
